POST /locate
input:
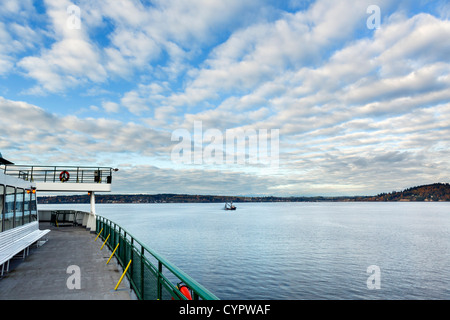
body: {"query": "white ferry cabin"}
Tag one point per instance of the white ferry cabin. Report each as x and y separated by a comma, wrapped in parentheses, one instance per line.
(19, 223)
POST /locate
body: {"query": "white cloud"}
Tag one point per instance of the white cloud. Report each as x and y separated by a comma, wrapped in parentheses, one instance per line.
(134, 103)
(138, 35)
(72, 59)
(356, 109)
(111, 107)
(71, 135)
(153, 180)
(407, 43)
(263, 51)
(18, 9)
(68, 63)
(15, 38)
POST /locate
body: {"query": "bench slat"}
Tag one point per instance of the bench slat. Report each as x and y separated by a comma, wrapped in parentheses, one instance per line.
(9, 250)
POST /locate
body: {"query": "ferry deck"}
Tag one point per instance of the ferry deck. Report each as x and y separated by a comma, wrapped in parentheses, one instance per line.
(43, 274)
(41, 258)
(37, 256)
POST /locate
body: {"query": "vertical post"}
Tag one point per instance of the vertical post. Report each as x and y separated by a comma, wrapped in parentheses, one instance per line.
(131, 254)
(92, 218)
(142, 272)
(92, 202)
(159, 283)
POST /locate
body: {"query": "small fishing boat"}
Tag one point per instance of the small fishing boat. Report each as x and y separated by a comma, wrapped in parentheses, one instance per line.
(229, 206)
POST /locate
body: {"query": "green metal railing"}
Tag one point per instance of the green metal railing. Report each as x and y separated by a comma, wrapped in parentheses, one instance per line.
(151, 276)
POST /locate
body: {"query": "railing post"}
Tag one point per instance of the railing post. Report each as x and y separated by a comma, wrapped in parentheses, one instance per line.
(126, 247)
(142, 272)
(131, 255)
(159, 283)
(121, 239)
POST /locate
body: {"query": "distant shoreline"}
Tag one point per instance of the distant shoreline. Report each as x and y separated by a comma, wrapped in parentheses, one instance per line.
(438, 192)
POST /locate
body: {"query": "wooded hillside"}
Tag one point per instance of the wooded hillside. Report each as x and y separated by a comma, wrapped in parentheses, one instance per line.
(432, 192)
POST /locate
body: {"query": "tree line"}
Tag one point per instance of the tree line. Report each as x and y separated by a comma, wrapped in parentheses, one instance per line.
(432, 192)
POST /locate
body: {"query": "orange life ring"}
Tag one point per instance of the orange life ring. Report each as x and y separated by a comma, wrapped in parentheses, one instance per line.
(185, 291)
(64, 176)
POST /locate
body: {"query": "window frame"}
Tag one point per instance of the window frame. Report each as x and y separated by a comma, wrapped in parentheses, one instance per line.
(19, 211)
(2, 205)
(21, 203)
(8, 218)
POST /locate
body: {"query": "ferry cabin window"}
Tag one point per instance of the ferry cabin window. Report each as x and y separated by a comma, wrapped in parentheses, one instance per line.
(2, 196)
(33, 207)
(20, 194)
(8, 218)
(27, 207)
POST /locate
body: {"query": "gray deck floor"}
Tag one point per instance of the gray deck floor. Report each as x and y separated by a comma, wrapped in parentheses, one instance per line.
(43, 274)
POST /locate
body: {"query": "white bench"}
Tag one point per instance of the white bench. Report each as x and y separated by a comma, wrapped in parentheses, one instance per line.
(13, 241)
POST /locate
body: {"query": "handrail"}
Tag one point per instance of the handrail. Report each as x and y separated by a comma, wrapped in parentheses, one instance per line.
(61, 174)
(159, 280)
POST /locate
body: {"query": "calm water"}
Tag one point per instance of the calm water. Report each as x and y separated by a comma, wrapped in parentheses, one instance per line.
(299, 250)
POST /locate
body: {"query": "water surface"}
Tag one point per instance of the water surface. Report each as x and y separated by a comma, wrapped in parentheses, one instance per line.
(299, 250)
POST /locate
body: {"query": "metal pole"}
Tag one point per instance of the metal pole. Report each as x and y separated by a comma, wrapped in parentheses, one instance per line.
(112, 253)
(142, 272)
(98, 234)
(105, 241)
(159, 284)
(91, 223)
(121, 278)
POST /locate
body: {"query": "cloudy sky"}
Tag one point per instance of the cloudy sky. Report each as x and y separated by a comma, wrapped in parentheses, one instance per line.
(361, 101)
